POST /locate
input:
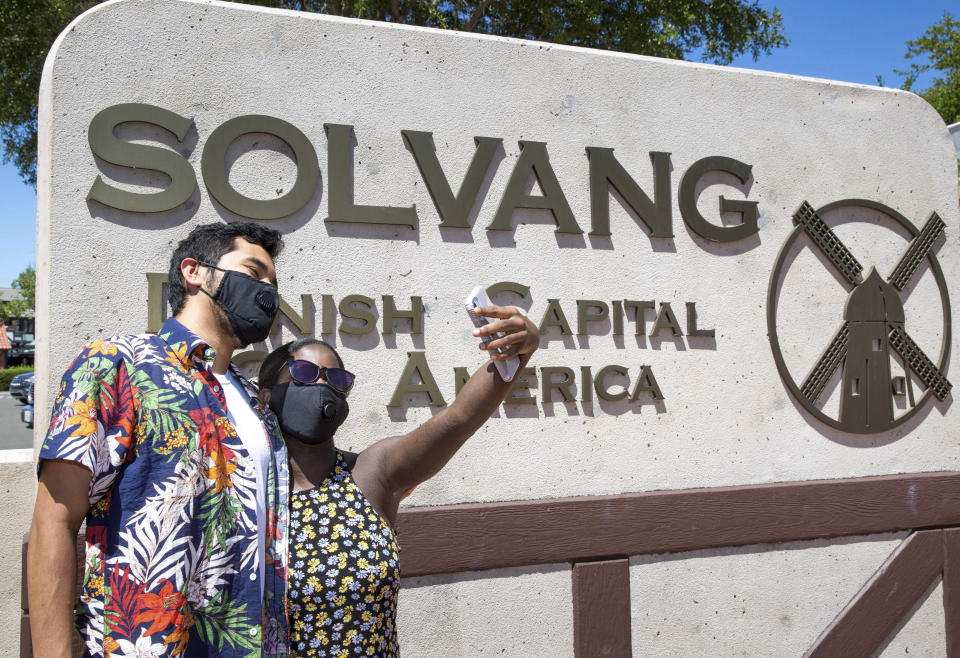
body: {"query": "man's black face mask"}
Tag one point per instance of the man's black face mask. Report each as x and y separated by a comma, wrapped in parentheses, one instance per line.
(249, 305)
(308, 412)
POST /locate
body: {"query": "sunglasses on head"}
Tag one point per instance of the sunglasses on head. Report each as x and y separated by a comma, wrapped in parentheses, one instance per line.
(307, 372)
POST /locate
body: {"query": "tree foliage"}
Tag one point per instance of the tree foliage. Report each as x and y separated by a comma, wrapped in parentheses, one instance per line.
(26, 285)
(715, 30)
(939, 50)
(27, 30)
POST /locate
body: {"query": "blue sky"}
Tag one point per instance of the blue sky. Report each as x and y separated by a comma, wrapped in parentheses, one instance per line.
(849, 40)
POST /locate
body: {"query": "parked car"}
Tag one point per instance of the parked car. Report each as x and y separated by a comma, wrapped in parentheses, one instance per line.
(26, 414)
(20, 384)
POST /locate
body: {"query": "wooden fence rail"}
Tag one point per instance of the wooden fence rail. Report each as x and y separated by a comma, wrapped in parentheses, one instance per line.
(597, 534)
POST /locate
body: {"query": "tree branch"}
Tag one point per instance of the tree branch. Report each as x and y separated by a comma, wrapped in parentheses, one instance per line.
(475, 17)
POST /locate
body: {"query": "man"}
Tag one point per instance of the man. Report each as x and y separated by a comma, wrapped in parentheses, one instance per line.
(180, 472)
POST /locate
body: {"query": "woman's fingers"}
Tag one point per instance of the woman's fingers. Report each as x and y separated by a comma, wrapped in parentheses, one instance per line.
(504, 342)
(510, 321)
(494, 311)
(499, 327)
(517, 334)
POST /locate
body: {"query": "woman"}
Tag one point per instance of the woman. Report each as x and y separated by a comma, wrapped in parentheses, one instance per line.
(344, 564)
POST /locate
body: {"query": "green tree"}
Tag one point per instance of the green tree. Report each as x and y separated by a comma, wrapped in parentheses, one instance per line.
(26, 285)
(715, 30)
(27, 30)
(939, 50)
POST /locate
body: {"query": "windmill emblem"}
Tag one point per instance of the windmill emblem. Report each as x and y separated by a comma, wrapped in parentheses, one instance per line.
(872, 329)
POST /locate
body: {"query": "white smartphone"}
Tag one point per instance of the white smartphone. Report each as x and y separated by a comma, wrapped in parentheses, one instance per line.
(478, 297)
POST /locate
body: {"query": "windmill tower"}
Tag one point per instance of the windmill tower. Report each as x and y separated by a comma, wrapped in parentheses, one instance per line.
(873, 324)
(866, 393)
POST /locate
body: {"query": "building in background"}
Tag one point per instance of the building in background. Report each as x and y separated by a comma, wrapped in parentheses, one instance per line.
(954, 129)
(4, 345)
(17, 341)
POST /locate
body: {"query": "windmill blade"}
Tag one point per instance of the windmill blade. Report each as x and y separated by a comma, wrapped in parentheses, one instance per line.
(817, 380)
(914, 357)
(829, 243)
(916, 252)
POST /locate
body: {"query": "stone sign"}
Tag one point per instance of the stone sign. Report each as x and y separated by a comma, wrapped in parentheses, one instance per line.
(740, 277)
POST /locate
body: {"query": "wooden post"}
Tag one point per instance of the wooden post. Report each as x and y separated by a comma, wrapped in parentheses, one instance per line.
(601, 609)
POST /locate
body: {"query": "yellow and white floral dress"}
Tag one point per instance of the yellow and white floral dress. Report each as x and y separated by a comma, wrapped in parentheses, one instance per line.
(344, 572)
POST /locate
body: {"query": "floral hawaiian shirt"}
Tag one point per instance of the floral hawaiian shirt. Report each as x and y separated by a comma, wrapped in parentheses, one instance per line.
(171, 564)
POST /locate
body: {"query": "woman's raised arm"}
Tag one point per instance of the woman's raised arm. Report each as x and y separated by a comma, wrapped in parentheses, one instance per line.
(405, 461)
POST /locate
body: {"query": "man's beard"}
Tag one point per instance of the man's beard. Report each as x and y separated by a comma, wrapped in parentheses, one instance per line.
(220, 316)
(223, 324)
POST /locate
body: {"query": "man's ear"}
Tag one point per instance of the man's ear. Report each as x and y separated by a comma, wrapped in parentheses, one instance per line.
(264, 396)
(192, 272)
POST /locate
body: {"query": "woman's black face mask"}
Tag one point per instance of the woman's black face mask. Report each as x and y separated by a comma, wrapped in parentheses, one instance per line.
(310, 413)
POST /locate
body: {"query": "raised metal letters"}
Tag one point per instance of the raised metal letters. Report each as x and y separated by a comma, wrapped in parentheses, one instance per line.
(666, 320)
(507, 286)
(602, 312)
(391, 313)
(304, 321)
(105, 145)
(454, 210)
(606, 170)
(553, 317)
(326, 322)
(155, 301)
(602, 391)
(617, 317)
(692, 329)
(640, 309)
(214, 171)
(340, 202)
(586, 384)
(349, 310)
(688, 201)
(646, 383)
(417, 366)
(548, 385)
(520, 390)
(533, 158)
(460, 377)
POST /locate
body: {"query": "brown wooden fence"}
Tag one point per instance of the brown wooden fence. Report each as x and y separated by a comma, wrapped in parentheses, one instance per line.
(597, 535)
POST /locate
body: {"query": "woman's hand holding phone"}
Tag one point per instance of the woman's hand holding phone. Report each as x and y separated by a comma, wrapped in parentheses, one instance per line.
(506, 333)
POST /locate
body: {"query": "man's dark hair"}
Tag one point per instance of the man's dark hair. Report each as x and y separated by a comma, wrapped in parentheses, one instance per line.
(208, 243)
(273, 364)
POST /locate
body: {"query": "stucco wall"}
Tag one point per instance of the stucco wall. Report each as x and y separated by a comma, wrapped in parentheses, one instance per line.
(727, 417)
(772, 600)
(451, 615)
